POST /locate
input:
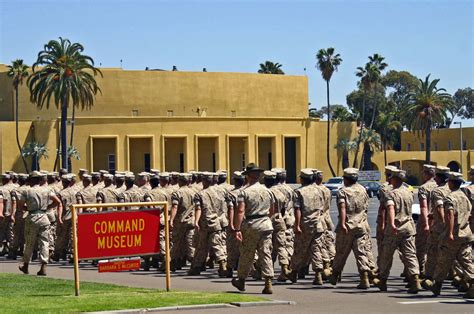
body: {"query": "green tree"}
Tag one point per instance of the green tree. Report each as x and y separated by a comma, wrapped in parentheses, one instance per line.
(66, 75)
(270, 68)
(372, 143)
(18, 71)
(35, 150)
(346, 146)
(427, 109)
(389, 130)
(464, 100)
(378, 66)
(328, 62)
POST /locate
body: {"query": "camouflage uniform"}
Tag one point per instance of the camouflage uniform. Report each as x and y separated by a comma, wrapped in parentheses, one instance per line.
(88, 195)
(183, 224)
(385, 189)
(131, 195)
(356, 201)
(280, 250)
(256, 230)
(220, 204)
(309, 200)
(329, 240)
(421, 239)
(289, 218)
(402, 199)
(107, 195)
(19, 226)
(233, 246)
(64, 230)
(6, 223)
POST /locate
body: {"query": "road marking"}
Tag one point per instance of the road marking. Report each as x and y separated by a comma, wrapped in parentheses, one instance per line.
(437, 301)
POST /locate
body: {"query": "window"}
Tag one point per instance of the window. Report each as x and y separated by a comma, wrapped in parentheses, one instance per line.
(243, 161)
(181, 162)
(435, 146)
(170, 113)
(464, 145)
(111, 163)
(422, 146)
(450, 145)
(135, 113)
(147, 162)
(213, 162)
(270, 166)
(233, 114)
(408, 147)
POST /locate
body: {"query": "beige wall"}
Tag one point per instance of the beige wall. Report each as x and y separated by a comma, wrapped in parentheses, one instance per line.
(440, 139)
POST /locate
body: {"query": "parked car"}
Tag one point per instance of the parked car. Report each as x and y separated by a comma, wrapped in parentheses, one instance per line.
(466, 184)
(415, 211)
(334, 184)
(372, 187)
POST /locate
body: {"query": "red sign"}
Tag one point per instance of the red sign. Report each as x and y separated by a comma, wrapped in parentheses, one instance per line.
(118, 234)
(122, 265)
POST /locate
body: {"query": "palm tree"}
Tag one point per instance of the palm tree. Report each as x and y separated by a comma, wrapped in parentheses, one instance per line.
(367, 76)
(35, 150)
(270, 68)
(427, 108)
(328, 62)
(18, 71)
(346, 145)
(66, 75)
(372, 144)
(379, 65)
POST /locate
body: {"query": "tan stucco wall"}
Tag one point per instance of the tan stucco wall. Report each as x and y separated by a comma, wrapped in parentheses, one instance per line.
(439, 139)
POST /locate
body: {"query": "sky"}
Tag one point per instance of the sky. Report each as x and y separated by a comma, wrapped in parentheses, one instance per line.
(422, 37)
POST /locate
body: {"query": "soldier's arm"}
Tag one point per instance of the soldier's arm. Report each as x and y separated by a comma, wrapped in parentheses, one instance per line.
(341, 207)
(57, 202)
(197, 216)
(230, 214)
(13, 210)
(391, 217)
(174, 207)
(2, 205)
(239, 214)
(423, 199)
(450, 222)
(381, 217)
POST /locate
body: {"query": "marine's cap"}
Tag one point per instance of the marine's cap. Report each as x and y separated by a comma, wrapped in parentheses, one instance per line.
(351, 172)
(155, 171)
(121, 172)
(67, 177)
(108, 176)
(455, 176)
(45, 172)
(102, 172)
(164, 175)
(119, 176)
(401, 174)
(6, 176)
(95, 175)
(184, 176)
(251, 167)
(86, 176)
(319, 174)
(143, 174)
(130, 177)
(390, 169)
(429, 168)
(53, 174)
(207, 175)
(237, 175)
(306, 173)
(471, 170)
(174, 174)
(82, 170)
(222, 173)
(314, 170)
(442, 170)
(269, 174)
(278, 171)
(23, 176)
(36, 174)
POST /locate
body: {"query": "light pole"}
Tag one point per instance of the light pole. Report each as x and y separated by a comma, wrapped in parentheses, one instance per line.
(460, 147)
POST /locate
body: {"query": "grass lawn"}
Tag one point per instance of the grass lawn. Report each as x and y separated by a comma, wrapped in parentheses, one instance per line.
(26, 294)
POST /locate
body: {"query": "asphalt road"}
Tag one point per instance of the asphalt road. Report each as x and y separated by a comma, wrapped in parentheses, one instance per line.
(328, 299)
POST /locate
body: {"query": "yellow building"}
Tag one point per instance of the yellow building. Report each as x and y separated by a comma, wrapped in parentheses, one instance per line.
(181, 121)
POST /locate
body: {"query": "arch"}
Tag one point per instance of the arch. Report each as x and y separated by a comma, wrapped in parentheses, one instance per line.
(454, 166)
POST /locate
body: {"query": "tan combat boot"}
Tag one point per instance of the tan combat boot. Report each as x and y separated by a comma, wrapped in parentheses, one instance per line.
(24, 268)
(364, 281)
(293, 277)
(436, 288)
(470, 292)
(381, 284)
(285, 273)
(222, 272)
(414, 284)
(318, 278)
(239, 283)
(427, 284)
(194, 271)
(268, 286)
(456, 281)
(327, 272)
(42, 271)
(463, 286)
(334, 278)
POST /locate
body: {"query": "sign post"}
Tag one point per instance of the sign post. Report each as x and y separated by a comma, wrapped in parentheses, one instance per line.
(118, 234)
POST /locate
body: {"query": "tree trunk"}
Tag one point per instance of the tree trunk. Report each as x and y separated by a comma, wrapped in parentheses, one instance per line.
(374, 109)
(367, 156)
(73, 123)
(329, 131)
(64, 133)
(428, 142)
(16, 130)
(345, 159)
(361, 129)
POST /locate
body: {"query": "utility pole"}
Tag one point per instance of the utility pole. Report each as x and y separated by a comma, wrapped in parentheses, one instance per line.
(461, 145)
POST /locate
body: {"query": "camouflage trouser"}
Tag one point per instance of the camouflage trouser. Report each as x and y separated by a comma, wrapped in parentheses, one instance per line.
(421, 242)
(370, 252)
(379, 238)
(183, 242)
(255, 241)
(406, 245)
(357, 242)
(329, 246)
(308, 247)
(209, 241)
(63, 238)
(6, 232)
(290, 240)
(18, 234)
(431, 254)
(36, 231)
(279, 247)
(454, 250)
(163, 240)
(52, 229)
(233, 250)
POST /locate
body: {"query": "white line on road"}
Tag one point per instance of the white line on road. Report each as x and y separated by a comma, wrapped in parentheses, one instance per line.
(437, 301)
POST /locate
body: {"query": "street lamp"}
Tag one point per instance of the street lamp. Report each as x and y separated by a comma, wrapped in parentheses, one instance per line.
(460, 147)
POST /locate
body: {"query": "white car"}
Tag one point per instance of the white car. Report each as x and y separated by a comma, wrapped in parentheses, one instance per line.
(415, 211)
(334, 184)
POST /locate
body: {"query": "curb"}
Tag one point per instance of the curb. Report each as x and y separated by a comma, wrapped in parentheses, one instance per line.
(197, 307)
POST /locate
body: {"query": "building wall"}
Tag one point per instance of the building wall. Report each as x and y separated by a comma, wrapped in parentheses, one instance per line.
(441, 139)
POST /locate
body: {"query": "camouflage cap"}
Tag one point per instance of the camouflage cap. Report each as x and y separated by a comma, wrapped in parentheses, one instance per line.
(164, 175)
(53, 174)
(45, 172)
(207, 175)
(102, 172)
(95, 175)
(401, 174)
(86, 176)
(455, 176)
(144, 174)
(306, 173)
(36, 174)
(108, 176)
(155, 171)
(6, 176)
(269, 174)
(82, 170)
(222, 173)
(184, 176)
(130, 177)
(174, 174)
(429, 169)
(237, 175)
(23, 176)
(390, 169)
(351, 172)
(67, 177)
(442, 170)
(119, 176)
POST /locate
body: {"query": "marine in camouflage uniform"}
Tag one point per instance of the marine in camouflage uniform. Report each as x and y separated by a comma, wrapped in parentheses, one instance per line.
(6, 210)
(456, 238)
(107, 193)
(182, 223)
(256, 203)
(132, 194)
(422, 225)
(352, 232)
(19, 215)
(233, 246)
(88, 195)
(208, 225)
(221, 189)
(309, 204)
(469, 190)
(436, 219)
(280, 252)
(399, 234)
(67, 197)
(36, 201)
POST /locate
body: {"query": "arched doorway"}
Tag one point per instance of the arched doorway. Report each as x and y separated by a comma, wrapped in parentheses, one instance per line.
(454, 166)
